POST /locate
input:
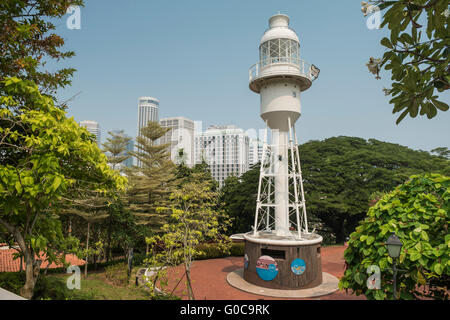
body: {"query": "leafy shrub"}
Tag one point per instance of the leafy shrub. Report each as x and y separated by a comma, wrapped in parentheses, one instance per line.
(51, 288)
(418, 212)
(45, 288)
(237, 249)
(12, 281)
(117, 274)
(138, 259)
(211, 251)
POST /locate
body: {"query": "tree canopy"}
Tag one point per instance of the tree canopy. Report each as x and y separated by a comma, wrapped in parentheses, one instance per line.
(27, 42)
(45, 158)
(340, 174)
(152, 181)
(419, 214)
(417, 54)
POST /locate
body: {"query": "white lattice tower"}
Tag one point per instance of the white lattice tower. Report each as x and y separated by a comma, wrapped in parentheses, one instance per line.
(280, 77)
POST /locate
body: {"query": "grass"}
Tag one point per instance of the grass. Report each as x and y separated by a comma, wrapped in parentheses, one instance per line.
(97, 287)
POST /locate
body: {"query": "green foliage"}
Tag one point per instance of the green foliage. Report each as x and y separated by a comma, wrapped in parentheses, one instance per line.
(238, 198)
(46, 157)
(12, 281)
(418, 212)
(117, 274)
(46, 288)
(115, 148)
(340, 175)
(152, 182)
(27, 41)
(417, 55)
(195, 218)
(213, 251)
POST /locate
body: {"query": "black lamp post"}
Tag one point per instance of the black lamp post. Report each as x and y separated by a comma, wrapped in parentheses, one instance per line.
(394, 246)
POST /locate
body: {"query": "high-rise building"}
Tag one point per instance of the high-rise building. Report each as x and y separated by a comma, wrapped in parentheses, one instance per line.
(130, 148)
(148, 110)
(225, 149)
(180, 137)
(255, 152)
(94, 128)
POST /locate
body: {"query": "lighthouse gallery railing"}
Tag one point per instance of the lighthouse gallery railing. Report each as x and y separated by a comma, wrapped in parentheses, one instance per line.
(299, 67)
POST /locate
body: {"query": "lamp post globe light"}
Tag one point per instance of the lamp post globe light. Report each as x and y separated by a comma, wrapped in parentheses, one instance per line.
(394, 247)
(281, 252)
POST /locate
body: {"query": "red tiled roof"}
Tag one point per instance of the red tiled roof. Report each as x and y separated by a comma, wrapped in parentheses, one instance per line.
(8, 264)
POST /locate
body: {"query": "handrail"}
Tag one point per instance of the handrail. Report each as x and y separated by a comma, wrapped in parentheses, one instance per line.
(305, 69)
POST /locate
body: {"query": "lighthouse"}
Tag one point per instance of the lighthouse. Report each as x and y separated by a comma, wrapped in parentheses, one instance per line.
(280, 251)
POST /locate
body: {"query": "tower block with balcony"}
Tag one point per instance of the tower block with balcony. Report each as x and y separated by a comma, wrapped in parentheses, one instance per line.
(280, 251)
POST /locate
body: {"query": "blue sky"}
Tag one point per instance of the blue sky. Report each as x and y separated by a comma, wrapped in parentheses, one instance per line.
(194, 57)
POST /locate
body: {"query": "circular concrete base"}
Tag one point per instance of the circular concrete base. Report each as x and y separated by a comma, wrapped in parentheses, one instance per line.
(328, 286)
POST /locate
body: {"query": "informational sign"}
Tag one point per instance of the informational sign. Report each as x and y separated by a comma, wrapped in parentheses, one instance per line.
(246, 261)
(298, 266)
(267, 268)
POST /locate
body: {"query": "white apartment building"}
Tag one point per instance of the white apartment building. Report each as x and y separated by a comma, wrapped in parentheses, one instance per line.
(180, 137)
(94, 128)
(225, 149)
(255, 152)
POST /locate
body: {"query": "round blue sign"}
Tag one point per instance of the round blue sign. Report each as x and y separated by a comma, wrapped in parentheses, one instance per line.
(298, 266)
(266, 268)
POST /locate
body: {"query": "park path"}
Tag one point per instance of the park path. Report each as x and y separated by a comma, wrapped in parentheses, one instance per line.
(209, 278)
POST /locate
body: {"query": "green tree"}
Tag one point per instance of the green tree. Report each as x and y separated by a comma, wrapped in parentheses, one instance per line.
(340, 174)
(442, 152)
(93, 210)
(27, 42)
(150, 183)
(418, 212)
(418, 56)
(119, 223)
(238, 198)
(45, 157)
(195, 217)
(115, 148)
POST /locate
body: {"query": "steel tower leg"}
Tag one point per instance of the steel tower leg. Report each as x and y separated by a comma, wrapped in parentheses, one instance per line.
(305, 218)
(294, 175)
(261, 177)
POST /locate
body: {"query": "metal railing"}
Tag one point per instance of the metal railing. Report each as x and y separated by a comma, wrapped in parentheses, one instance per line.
(300, 67)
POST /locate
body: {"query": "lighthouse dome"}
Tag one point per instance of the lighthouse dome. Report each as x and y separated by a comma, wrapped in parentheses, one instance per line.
(279, 29)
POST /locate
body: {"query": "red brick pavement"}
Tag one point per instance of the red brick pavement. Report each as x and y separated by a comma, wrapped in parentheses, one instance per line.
(209, 278)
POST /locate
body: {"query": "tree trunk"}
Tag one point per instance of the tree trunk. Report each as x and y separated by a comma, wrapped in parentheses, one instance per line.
(32, 273)
(340, 231)
(189, 283)
(87, 250)
(108, 250)
(31, 269)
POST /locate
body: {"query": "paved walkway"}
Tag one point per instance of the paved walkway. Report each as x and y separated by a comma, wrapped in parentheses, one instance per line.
(6, 295)
(209, 278)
